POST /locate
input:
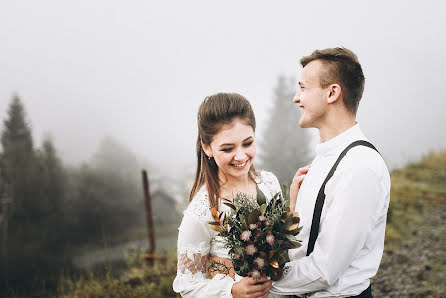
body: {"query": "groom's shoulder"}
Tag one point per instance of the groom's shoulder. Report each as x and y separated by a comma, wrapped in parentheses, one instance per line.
(362, 158)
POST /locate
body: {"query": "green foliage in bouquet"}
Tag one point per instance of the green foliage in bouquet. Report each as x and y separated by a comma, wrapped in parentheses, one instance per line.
(257, 233)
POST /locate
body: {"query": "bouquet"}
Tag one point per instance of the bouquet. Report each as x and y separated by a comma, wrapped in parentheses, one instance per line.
(258, 234)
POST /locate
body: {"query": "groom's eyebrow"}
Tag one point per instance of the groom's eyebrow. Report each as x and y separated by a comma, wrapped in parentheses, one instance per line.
(230, 144)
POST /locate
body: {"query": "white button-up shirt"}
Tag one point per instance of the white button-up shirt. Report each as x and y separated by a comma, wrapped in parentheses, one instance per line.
(348, 250)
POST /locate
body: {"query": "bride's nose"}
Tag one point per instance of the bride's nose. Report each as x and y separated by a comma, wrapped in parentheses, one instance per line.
(240, 155)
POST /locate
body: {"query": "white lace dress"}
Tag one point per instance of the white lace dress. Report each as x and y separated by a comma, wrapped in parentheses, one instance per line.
(196, 242)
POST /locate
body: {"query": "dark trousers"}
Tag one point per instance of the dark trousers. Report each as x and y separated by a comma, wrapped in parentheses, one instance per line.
(367, 293)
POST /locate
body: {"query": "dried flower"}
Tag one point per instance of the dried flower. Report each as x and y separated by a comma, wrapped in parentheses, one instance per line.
(250, 249)
(262, 218)
(245, 235)
(270, 238)
(253, 226)
(259, 262)
(255, 273)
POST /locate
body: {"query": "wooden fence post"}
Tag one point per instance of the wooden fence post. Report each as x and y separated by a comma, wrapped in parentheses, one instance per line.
(150, 229)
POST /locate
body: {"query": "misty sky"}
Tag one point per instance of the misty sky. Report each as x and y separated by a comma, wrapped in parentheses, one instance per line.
(138, 70)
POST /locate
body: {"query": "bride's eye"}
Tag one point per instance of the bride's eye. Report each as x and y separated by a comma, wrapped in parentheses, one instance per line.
(226, 149)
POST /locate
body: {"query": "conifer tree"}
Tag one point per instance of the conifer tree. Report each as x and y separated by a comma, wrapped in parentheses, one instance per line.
(52, 175)
(18, 158)
(284, 146)
(18, 174)
(50, 184)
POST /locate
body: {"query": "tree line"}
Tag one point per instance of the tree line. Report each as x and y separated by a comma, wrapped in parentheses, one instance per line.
(48, 211)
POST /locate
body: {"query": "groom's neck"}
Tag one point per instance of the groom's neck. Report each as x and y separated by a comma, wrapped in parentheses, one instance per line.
(335, 125)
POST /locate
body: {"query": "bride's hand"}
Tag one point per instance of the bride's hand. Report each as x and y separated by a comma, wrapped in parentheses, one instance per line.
(249, 287)
(295, 185)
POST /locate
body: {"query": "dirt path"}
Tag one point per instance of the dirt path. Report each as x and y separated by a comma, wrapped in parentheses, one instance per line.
(417, 269)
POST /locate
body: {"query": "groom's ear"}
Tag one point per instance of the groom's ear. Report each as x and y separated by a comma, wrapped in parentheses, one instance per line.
(334, 93)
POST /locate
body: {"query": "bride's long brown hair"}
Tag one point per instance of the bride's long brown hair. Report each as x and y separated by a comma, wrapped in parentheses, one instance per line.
(214, 112)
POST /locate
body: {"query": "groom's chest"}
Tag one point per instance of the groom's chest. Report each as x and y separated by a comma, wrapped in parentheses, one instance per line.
(310, 187)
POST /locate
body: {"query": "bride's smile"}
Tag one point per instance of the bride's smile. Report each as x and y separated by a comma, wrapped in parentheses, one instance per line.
(239, 166)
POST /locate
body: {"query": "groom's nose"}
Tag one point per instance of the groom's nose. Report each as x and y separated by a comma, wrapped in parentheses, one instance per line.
(296, 98)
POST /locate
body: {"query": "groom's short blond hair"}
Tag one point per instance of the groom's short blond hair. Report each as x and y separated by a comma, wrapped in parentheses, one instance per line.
(340, 66)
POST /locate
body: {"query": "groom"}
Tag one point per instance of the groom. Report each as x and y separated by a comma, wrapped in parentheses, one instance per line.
(344, 197)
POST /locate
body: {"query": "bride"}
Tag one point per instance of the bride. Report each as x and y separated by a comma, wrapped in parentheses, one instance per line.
(226, 150)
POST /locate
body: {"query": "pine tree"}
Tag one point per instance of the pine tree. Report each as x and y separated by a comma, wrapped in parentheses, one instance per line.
(284, 148)
(52, 176)
(50, 184)
(18, 161)
(18, 158)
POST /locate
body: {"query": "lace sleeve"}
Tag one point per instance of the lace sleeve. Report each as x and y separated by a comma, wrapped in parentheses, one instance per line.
(194, 240)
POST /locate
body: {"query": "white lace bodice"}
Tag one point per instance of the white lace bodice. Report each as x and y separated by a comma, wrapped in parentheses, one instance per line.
(196, 242)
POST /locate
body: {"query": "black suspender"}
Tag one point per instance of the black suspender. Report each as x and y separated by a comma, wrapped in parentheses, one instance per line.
(321, 195)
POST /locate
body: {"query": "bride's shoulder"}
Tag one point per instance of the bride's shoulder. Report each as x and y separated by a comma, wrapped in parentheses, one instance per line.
(269, 179)
(266, 177)
(199, 208)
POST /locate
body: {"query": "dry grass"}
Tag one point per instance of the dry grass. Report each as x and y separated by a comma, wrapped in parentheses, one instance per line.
(138, 281)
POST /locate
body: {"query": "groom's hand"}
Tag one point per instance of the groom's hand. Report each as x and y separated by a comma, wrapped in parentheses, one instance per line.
(249, 287)
(295, 185)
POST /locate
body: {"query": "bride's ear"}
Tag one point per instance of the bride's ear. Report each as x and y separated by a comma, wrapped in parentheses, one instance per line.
(207, 149)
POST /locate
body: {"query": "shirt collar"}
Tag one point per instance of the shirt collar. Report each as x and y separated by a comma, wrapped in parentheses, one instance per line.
(340, 141)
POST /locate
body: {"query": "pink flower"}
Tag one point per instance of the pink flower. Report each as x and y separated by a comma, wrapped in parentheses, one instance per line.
(253, 226)
(245, 235)
(250, 249)
(270, 238)
(262, 218)
(259, 262)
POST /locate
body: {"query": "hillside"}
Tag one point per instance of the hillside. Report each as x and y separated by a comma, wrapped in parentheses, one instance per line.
(414, 260)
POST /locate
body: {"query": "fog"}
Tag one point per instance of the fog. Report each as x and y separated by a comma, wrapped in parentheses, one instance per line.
(138, 70)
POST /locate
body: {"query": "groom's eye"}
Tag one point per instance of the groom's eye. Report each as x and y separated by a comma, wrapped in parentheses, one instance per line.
(247, 144)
